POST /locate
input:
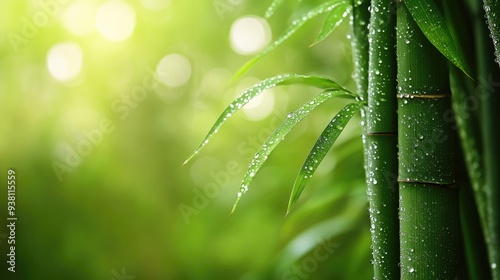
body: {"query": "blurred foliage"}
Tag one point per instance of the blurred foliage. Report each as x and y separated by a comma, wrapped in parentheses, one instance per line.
(120, 206)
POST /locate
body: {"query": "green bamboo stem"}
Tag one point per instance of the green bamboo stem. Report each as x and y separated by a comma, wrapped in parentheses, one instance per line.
(359, 43)
(490, 100)
(429, 210)
(381, 141)
(473, 208)
(473, 239)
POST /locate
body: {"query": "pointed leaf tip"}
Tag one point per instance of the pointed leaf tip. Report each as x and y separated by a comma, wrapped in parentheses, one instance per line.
(334, 19)
(279, 134)
(320, 149)
(296, 24)
(432, 23)
(250, 93)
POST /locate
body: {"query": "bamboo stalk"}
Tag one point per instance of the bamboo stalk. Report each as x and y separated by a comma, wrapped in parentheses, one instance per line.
(359, 43)
(429, 210)
(381, 141)
(490, 100)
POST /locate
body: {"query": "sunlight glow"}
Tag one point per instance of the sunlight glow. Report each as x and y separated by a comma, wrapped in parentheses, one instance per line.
(115, 20)
(259, 107)
(79, 18)
(173, 70)
(155, 5)
(64, 61)
(249, 35)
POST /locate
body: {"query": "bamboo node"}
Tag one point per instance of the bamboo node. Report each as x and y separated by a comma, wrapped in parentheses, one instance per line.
(439, 185)
(381, 134)
(422, 96)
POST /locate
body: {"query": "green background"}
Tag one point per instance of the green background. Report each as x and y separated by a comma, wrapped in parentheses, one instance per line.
(121, 210)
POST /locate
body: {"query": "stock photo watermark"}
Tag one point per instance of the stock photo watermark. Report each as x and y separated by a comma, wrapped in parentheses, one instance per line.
(30, 26)
(11, 220)
(122, 275)
(221, 179)
(304, 269)
(71, 156)
(222, 7)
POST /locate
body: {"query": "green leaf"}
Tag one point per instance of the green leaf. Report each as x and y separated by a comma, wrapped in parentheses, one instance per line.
(248, 94)
(273, 7)
(469, 135)
(279, 134)
(320, 149)
(433, 24)
(492, 10)
(334, 19)
(296, 24)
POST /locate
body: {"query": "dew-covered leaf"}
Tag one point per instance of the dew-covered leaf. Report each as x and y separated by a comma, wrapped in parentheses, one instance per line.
(250, 93)
(492, 10)
(296, 24)
(273, 7)
(278, 135)
(320, 149)
(433, 24)
(334, 19)
(469, 135)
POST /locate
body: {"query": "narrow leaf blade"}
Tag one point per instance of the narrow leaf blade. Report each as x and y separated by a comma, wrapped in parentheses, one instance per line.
(334, 19)
(250, 93)
(320, 149)
(273, 7)
(492, 10)
(433, 24)
(296, 24)
(469, 135)
(279, 134)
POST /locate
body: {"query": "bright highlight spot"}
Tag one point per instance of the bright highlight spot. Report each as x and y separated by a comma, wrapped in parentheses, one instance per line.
(79, 18)
(155, 5)
(249, 35)
(259, 107)
(64, 61)
(174, 70)
(115, 20)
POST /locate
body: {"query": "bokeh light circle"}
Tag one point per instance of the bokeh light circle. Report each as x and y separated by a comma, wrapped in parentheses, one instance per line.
(115, 20)
(64, 61)
(261, 106)
(79, 18)
(173, 70)
(249, 35)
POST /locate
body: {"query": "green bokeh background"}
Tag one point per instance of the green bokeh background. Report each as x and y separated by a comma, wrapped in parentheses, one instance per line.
(119, 210)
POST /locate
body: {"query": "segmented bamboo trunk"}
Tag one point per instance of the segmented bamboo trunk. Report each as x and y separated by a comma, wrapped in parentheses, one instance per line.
(381, 141)
(429, 212)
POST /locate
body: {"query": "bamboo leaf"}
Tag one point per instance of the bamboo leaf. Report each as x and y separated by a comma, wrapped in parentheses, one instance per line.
(279, 134)
(469, 135)
(250, 93)
(433, 24)
(296, 24)
(273, 7)
(334, 19)
(492, 10)
(320, 149)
